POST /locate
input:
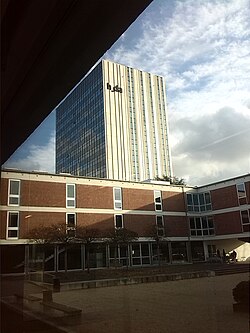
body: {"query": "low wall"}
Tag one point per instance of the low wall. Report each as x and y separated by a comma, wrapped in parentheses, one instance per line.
(134, 280)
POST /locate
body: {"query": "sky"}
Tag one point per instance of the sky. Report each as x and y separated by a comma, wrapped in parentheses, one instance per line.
(202, 48)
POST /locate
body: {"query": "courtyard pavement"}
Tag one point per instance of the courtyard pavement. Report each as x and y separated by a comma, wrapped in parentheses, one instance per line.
(201, 305)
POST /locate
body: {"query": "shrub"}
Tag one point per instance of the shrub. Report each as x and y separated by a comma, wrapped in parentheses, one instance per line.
(241, 292)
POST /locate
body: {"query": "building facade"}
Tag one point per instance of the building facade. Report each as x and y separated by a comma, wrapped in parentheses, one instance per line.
(191, 223)
(114, 125)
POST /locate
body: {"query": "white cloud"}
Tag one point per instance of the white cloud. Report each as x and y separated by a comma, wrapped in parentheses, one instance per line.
(202, 49)
(38, 157)
(211, 147)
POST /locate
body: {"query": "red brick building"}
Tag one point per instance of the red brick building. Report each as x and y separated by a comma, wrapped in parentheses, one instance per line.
(191, 222)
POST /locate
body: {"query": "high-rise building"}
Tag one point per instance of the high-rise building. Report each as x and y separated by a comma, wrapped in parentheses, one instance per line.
(114, 125)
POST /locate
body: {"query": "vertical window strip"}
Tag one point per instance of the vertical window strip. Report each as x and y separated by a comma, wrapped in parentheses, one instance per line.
(160, 225)
(70, 196)
(118, 220)
(12, 231)
(241, 191)
(158, 200)
(201, 226)
(117, 196)
(245, 220)
(14, 192)
(71, 224)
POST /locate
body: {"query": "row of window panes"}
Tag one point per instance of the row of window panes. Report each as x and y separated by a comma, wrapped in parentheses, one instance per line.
(201, 226)
(199, 202)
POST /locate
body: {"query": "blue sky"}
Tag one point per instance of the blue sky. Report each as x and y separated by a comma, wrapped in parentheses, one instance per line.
(202, 48)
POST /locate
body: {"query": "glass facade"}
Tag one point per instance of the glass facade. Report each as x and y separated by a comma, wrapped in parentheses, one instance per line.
(114, 125)
(80, 129)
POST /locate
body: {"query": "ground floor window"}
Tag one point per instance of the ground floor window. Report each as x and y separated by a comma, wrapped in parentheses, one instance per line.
(211, 250)
(197, 251)
(140, 254)
(160, 253)
(179, 251)
(41, 257)
(95, 256)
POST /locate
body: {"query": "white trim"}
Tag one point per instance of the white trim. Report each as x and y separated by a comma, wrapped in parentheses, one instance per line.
(117, 201)
(69, 198)
(12, 228)
(90, 210)
(115, 221)
(158, 203)
(220, 211)
(14, 195)
(63, 179)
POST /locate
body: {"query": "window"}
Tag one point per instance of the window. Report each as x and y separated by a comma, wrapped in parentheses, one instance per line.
(14, 192)
(241, 190)
(71, 224)
(199, 202)
(201, 226)
(118, 221)
(245, 220)
(12, 225)
(158, 200)
(160, 225)
(117, 192)
(70, 194)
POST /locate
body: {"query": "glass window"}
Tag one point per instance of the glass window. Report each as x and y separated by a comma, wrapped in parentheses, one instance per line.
(117, 192)
(14, 192)
(192, 224)
(160, 225)
(158, 200)
(198, 202)
(204, 223)
(71, 220)
(159, 221)
(118, 221)
(245, 217)
(195, 198)
(198, 223)
(201, 199)
(13, 225)
(201, 226)
(241, 190)
(189, 199)
(70, 194)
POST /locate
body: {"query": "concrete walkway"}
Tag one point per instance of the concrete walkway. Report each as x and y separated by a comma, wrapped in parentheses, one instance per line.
(199, 305)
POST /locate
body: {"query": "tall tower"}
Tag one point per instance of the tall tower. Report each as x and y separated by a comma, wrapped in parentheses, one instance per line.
(114, 125)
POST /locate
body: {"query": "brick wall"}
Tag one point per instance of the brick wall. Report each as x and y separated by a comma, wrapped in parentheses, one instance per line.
(224, 197)
(176, 226)
(142, 224)
(137, 199)
(173, 201)
(101, 222)
(88, 196)
(4, 191)
(227, 223)
(43, 194)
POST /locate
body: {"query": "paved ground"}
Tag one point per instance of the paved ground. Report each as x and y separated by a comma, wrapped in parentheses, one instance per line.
(199, 305)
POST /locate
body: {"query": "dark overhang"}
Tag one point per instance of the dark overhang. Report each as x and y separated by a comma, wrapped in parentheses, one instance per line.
(47, 46)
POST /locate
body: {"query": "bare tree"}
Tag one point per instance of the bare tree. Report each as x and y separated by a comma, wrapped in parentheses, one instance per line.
(119, 237)
(87, 236)
(52, 234)
(158, 235)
